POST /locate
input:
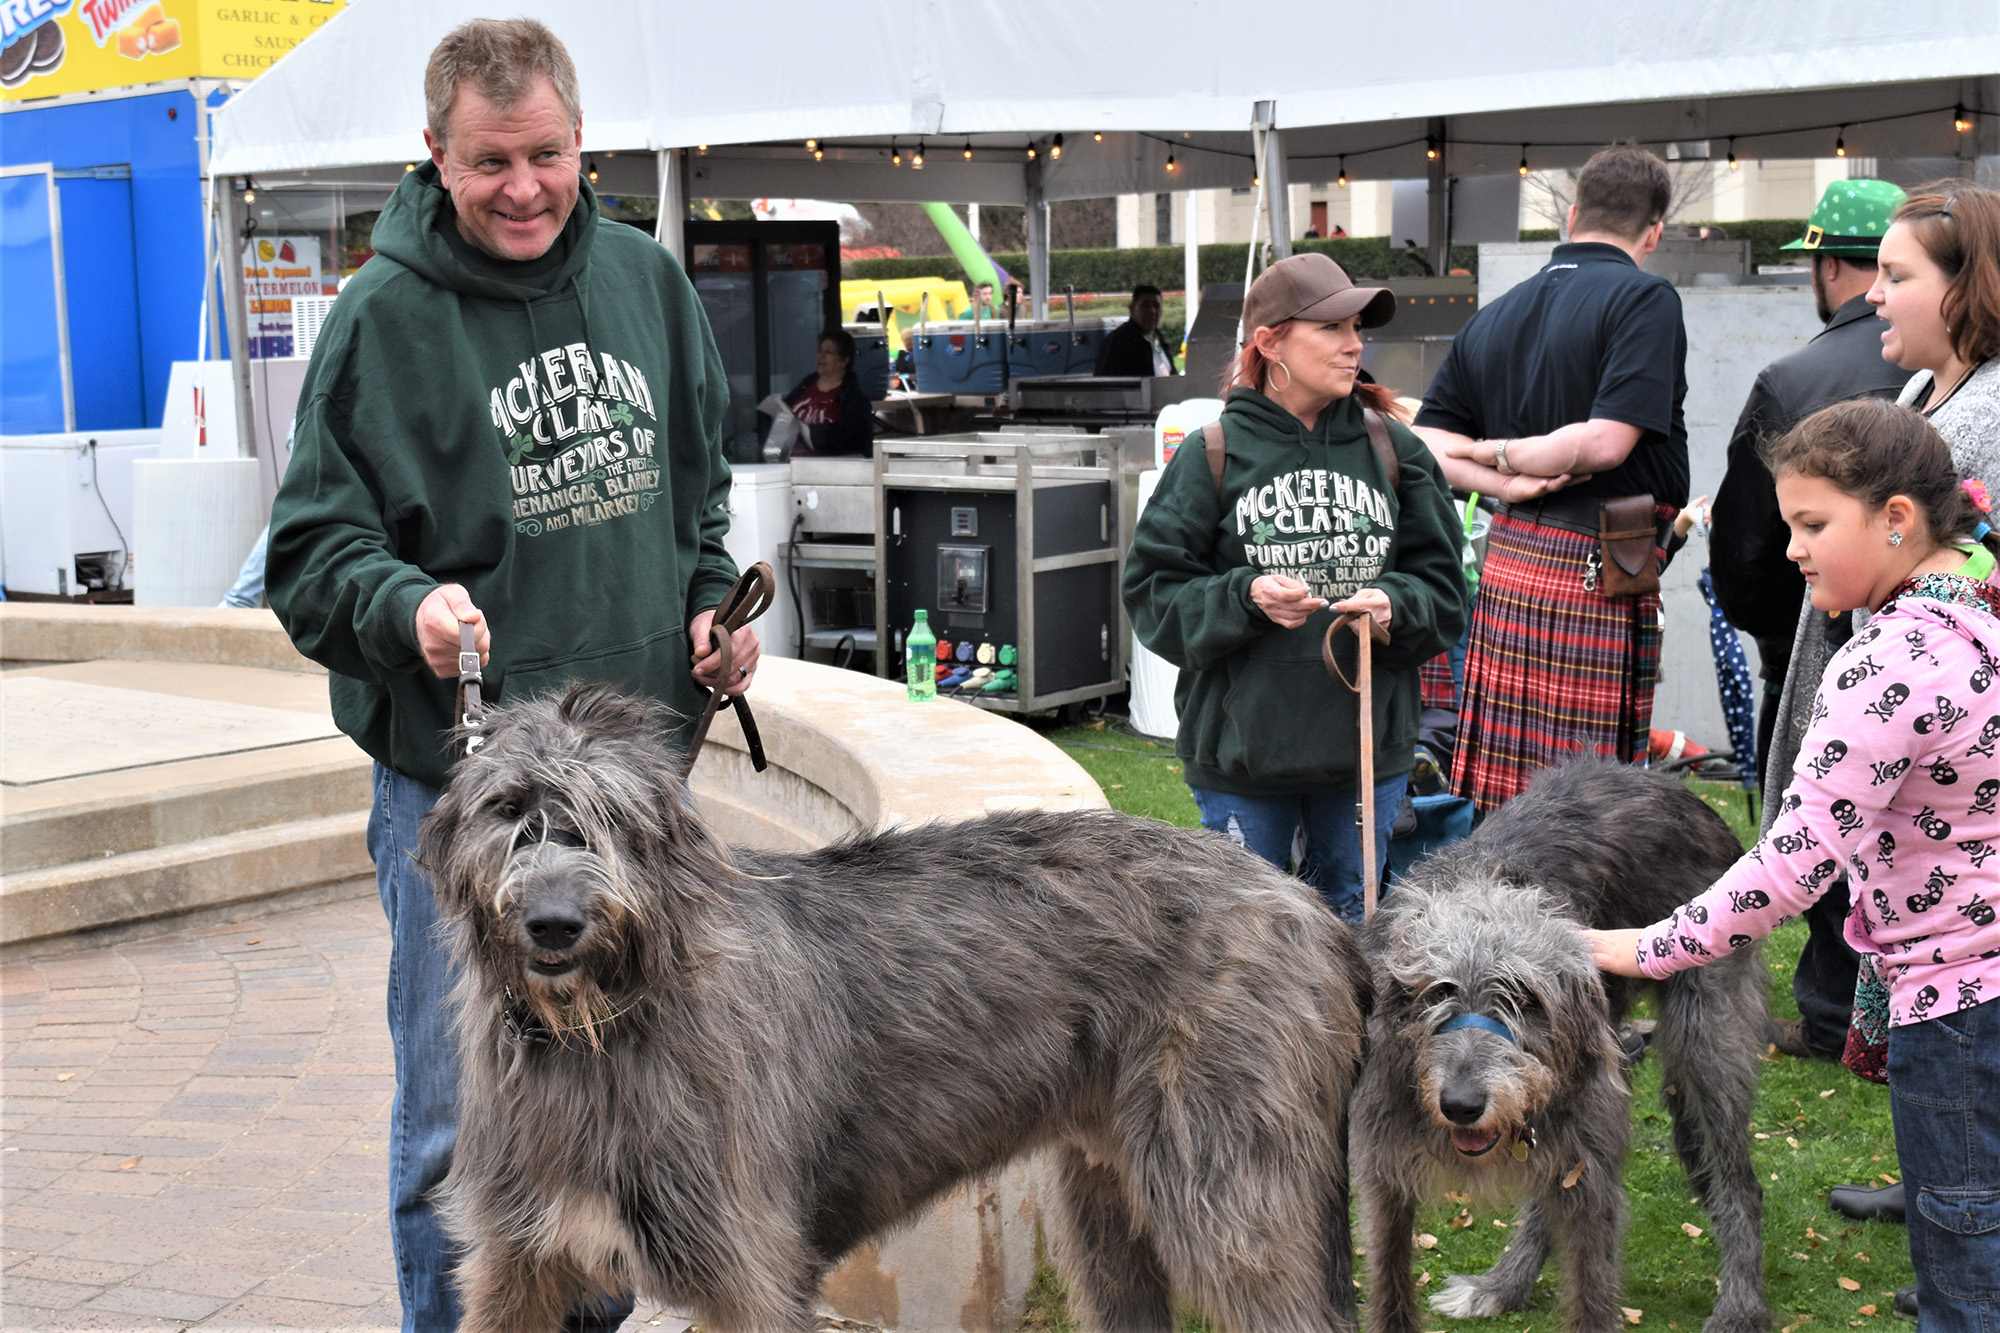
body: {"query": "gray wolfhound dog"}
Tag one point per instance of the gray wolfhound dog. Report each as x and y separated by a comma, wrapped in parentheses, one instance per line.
(706, 1074)
(1493, 1064)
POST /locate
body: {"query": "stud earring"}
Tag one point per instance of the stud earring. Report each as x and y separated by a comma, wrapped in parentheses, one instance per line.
(1895, 538)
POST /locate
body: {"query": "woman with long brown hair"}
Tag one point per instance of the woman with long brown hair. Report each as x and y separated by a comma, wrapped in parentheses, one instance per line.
(1235, 578)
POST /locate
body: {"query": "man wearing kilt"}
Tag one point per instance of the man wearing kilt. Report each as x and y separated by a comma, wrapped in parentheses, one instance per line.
(1563, 394)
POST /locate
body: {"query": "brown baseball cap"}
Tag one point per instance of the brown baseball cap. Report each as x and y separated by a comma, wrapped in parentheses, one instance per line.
(1311, 286)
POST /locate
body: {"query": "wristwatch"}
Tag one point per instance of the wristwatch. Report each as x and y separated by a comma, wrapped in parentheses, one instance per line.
(1500, 457)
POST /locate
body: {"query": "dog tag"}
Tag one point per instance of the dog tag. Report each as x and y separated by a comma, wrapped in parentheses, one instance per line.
(1520, 1150)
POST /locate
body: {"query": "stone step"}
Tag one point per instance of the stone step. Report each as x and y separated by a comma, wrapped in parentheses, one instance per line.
(210, 799)
(202, 873)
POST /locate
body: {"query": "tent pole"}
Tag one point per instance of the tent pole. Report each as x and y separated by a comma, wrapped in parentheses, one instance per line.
(1271, 167)
(669, 228)
(235, 314)
(1038, 240)
(1437, 201)
(1191, 268)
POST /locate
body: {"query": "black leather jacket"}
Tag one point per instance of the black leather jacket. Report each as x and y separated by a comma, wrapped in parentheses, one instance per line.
(1760, 590)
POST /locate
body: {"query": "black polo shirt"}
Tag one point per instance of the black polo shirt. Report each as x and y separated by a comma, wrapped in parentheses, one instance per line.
(1591, 335)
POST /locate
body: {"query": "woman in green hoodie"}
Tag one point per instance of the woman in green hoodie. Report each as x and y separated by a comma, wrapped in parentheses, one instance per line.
(1236, 582)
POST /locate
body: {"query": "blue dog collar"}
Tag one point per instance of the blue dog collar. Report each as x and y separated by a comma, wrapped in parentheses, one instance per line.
(1480, 1021)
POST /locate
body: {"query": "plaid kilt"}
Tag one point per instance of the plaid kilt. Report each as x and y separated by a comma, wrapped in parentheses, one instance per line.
(1553, 670)
(1436, 687)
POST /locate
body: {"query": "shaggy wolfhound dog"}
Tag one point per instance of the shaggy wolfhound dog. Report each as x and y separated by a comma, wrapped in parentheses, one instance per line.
(706, 1074)
(1494, 1066)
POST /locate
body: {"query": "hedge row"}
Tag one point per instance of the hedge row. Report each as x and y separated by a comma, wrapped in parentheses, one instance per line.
(1165, 265)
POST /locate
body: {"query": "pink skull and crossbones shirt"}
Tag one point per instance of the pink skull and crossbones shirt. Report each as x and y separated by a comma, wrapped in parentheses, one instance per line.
(1898, 785)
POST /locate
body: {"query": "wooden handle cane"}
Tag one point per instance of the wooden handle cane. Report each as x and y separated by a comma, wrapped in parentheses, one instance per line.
(1367, 633)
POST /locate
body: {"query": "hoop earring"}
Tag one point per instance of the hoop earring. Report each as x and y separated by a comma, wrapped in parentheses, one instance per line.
(1895, 538)
(1288, 373)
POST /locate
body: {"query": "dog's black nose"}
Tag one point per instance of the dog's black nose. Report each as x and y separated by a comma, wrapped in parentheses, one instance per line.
(1462, 1105)
(555, 927)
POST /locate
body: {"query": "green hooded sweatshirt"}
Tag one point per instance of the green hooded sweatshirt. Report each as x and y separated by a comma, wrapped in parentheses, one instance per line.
(546, 433)
(1259, 713)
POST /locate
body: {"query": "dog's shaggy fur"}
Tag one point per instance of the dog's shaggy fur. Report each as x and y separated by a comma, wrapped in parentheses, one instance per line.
(754, 1061)
(1488, 927)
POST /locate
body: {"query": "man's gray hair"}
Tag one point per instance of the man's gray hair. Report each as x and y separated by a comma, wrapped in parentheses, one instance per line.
(502, 58)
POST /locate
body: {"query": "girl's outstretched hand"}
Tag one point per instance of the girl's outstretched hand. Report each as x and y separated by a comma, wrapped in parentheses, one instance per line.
(1614, 951)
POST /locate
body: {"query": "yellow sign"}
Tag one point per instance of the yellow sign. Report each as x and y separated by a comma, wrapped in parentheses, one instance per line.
(49, 47)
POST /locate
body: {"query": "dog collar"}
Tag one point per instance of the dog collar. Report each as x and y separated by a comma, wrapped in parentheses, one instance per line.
(524, 1028)
(1480, 1021)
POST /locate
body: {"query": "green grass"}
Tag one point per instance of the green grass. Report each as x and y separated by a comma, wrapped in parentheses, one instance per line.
(1825, 1128)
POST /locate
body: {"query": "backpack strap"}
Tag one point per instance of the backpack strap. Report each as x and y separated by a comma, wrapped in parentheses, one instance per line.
(1211, 436)
(1385, 452)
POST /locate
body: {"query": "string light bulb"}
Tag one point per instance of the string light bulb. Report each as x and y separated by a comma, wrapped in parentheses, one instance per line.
(1098, 137)
(591, 162)
(1523, 168)
(702, 149)
(1431, 149)
(1840, 143)
(409, 167)
(1734, 165)
(819, 154)
(1256, 181)
(812, 145)
(966, 152)
(249, 190)
(1170, 161)
(1055, 149)
(1031, 152)
(895, 154)
(1341, 179)
(1959, 120)
(917, 158)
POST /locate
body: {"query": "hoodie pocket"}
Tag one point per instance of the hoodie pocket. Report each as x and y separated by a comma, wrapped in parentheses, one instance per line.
(1287, 724)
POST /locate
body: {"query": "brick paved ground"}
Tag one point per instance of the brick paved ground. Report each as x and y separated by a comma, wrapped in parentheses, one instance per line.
(193, 1131)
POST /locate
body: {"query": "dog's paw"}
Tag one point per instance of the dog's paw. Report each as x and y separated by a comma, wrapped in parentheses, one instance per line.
(1744, 1321)
(1467, 1298)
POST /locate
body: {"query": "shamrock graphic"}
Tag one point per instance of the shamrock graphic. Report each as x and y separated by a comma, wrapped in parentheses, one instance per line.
(622, 414)
(1262, 531)
(1363, 524)
(517, 448)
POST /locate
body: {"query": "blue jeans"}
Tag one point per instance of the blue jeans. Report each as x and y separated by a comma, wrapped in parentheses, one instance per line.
(1942, 1077)
(1332, 861)
(248, 590)
(423, 1123)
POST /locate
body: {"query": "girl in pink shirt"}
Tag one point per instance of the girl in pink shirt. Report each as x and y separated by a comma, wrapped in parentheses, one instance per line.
(1898, 786)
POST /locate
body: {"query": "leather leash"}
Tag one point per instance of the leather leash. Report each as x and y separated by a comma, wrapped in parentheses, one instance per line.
(471, 703)
(1368, 633)
(749, 598)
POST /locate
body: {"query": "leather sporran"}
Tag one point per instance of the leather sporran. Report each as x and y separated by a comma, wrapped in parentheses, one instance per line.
(1628, 538)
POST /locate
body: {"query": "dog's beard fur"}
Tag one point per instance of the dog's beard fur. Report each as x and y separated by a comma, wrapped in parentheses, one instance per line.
(772, 1058)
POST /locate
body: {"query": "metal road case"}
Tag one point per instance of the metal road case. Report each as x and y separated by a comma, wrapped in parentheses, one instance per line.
(1014, 544)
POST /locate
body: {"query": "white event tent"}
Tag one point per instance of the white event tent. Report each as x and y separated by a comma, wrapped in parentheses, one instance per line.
(685, 99)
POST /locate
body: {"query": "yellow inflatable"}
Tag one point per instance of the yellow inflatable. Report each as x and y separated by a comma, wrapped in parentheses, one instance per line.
(905, 298)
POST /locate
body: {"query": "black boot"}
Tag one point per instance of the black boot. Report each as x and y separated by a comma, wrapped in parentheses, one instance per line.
(1867, 1205)
(1905, 1304)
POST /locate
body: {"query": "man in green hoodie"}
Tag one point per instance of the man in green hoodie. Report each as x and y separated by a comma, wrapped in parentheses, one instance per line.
(512, 421)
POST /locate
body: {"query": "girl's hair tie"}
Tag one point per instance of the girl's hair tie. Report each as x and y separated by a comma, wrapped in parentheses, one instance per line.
(1975, 491)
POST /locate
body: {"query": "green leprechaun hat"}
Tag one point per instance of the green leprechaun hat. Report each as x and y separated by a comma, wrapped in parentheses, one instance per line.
(1850, 219)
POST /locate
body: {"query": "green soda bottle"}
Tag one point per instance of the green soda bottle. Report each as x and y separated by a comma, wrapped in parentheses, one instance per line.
(920, 657)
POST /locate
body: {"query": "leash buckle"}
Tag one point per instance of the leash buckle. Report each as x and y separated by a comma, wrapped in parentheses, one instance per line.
(1591, 570)
(471, 704)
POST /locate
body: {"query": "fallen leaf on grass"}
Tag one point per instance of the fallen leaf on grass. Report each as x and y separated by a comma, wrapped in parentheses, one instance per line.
(1827, 1093)
(1868, 1309)
(1796, 1324)
(1631, 1315)
(1574, 1174)
(1499, 1225)
(1863, 1257)
(1456, 1197)
(1113, 786)
(1763, 1136)
(1848, 1284)
(1692, 1230)
(1463, 1220)
(1789, 1139)
(1888, 1179)
(1426, 1241)
(1424, 1278)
